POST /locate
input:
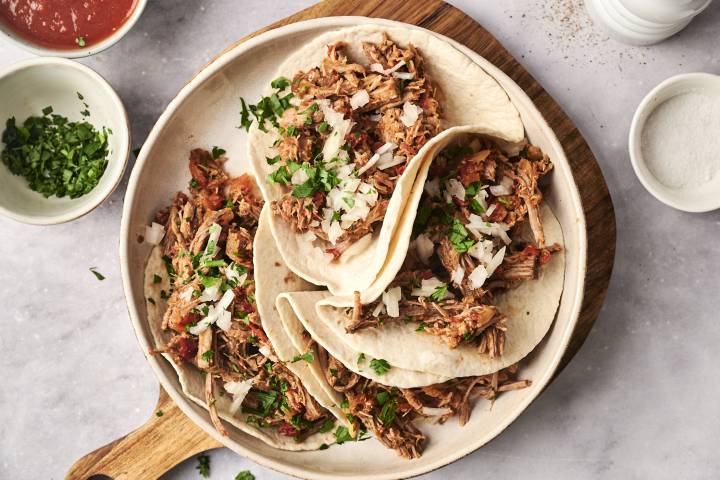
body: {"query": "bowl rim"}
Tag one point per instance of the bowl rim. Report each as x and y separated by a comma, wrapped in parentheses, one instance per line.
(104, 44)
(124, 134)
(227, 56)
(645, 108)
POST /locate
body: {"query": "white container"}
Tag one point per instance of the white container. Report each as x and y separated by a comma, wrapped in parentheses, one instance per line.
(644, 22)
(28, 87)
(703, 198)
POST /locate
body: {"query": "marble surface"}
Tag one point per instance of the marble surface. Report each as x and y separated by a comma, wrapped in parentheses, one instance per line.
(638, 401)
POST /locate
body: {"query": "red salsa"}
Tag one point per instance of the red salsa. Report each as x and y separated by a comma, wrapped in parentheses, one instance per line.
(65, 24)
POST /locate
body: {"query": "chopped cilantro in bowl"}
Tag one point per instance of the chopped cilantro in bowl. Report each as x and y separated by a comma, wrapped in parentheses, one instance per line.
(55, 155)
(58, 163)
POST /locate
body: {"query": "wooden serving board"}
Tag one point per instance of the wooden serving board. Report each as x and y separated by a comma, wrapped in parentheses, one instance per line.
(167, 440)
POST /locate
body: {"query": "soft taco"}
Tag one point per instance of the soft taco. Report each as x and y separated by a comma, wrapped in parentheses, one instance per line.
(338, 140)
(228, 352)
(476, 274)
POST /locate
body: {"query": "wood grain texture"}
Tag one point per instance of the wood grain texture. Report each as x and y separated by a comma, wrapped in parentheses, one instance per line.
(165, 441)
(150, 451)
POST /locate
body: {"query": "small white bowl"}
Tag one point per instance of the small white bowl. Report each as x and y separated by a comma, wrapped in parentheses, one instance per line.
(28, 87)
(693, 199)
(78, 52)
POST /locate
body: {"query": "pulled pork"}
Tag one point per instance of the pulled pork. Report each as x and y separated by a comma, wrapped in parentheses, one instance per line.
(338, 188)
(467, 246)
(208, 248)
(391, 413)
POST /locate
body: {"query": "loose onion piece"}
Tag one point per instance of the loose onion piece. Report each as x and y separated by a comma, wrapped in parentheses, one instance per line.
(154, 233)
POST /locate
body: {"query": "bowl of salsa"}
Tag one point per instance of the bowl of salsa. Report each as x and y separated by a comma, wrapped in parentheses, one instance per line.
(68, 28)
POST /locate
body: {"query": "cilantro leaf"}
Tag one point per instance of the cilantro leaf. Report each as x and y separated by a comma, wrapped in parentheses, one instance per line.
(327, 425)
(281, 83)
(307, 357)
(217, 152)
(203, 466)
(245, 475)
(437, 295)
(459, 237)
(97, 274)
(342, 435)
(380, 366)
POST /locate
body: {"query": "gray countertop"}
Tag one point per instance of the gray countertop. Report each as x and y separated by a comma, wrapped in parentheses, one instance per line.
(639, 400)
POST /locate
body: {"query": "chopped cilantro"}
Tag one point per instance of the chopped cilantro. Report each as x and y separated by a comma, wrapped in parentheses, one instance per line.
(380, 366)
(281, 83)
(459, 237)
(323, 446)
(245, 475)
(97, 274)
(504, 201)
(475, 207)
(334, 372)
(159, 413)
(323, 127)
(208, 356)
(80, 42)
(342, 435)
(361, 358)
(217, 152)
(524, 152)
(273, 160)
(387, 414)
(421, 327)
(203, 466)
(56, 156)
(156, 278)
(194, 183)
(307, 357)
(252, 340)
(472, 189)
(437, 295)
(423, 215)
(327, 425)
(245, 121)
(382, 397)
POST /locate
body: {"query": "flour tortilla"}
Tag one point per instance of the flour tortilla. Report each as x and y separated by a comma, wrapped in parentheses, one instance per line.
(470, 97)
(193, 382)
(530, 308)
(298, 314)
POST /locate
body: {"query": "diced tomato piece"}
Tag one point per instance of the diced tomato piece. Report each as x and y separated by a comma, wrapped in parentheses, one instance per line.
(400, 169)
(545, 256)
(188, 319)
(288, 430)
(187, 347)
(334, 252)
(498, 214)
(531, 251)
(214, 201)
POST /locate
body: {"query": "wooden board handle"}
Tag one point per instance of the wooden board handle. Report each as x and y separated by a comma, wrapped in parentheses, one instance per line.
(148, 452)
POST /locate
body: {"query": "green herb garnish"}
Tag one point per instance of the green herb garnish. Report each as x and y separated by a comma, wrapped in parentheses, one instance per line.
(217, 152)
(437, 295)
(97, 274)
(80, 42)
(245, 475)
(203, 466)
(208, 356)
(342, 435)
(159, 413)
(327, 426)
(459, 237)
(307, 357)
(380, 366)
(361, 358)
(56, 156)
(156, 278)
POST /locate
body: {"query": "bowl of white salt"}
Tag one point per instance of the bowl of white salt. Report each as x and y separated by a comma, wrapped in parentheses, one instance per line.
(675, 142)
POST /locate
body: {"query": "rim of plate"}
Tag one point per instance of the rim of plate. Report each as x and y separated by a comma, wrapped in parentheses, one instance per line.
(204, 74)
(75, 213)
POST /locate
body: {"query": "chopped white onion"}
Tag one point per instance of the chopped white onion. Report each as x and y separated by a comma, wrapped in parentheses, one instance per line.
(308, 236)
(239, 391)
(410, 114)
(432, 187)
(390, 161)
(154, 233)
(424, 248)
(340, 127)
(496, 261)
(299, 177)
(226, 299)
(186, 294)
(266, 351)
(454, 188)
(478, 276)
(391, 299)
(427, 287)
(359, 99)
(403, 75)
(458, 275)
(224, 320)
(385, 150)
(211, 293)
(499, 190)
(490, 210)
(435, 412)
(376, 67)
(379, 309)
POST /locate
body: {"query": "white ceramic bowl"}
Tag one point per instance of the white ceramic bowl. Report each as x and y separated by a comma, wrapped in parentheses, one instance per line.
(695, 199)
(205, 113)
(28, 87)
(78, 52)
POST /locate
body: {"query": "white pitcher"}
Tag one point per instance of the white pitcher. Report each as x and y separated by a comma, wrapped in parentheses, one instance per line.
(644, 22)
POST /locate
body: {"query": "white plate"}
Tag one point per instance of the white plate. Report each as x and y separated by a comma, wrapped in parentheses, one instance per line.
(206, 113)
